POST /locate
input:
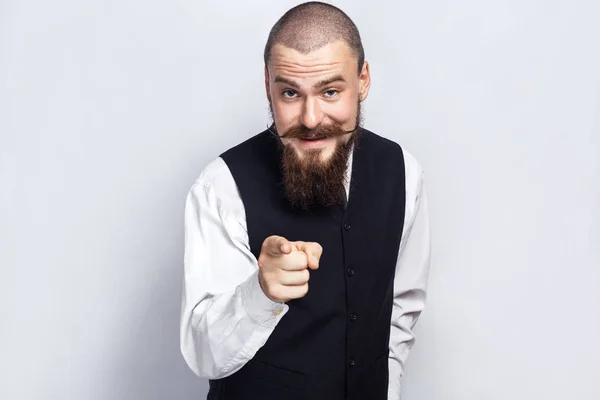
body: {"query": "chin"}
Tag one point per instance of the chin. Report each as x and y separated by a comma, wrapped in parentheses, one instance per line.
(322, 154)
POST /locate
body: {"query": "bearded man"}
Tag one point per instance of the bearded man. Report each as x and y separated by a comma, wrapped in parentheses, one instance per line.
(307, 246)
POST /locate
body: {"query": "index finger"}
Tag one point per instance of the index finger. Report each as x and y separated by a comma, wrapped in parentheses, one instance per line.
(278, 245)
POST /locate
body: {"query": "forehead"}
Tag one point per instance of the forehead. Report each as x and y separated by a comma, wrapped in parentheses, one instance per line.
(335, 57)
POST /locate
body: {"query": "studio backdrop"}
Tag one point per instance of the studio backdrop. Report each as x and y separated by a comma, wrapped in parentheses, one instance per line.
(109, 110)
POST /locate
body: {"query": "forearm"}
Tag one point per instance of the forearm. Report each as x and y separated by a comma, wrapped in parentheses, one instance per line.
(402, 340)
(222, 332)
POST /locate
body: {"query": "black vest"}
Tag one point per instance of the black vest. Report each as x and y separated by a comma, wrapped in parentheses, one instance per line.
(333, 343)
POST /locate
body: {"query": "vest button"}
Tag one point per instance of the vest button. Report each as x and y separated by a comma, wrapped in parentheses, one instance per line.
(352, 362)
(352, 317)
(351, 271)
(347, 226)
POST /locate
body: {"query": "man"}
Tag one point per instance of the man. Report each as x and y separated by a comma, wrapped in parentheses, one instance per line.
(307, 246)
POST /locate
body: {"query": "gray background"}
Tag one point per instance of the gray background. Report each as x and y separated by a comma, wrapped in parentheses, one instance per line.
(110, 109)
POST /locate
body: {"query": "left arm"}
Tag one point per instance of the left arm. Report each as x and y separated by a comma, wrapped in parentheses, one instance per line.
(412, 269)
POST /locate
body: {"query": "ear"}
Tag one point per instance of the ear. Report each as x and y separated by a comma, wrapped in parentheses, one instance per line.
(364, 82)
(267, 85)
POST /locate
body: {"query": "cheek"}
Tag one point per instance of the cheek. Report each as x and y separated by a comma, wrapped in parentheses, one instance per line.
(285, 114)
(285, 108)
(342, 111)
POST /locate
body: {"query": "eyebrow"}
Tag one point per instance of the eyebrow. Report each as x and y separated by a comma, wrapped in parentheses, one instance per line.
(324, 82)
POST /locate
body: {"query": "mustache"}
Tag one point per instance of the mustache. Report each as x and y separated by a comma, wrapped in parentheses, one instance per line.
(320, 132)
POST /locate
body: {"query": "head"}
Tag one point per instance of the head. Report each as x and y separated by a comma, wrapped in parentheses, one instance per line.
(315, 79)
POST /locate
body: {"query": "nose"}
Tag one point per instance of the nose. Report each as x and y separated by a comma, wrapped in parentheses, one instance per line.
(311, 113)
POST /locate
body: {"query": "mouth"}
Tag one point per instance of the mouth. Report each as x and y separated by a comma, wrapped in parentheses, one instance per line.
(313, 139)
(313, 142)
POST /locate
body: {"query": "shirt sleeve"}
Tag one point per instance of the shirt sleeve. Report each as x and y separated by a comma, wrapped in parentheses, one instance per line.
(225, 315)
(410, 282)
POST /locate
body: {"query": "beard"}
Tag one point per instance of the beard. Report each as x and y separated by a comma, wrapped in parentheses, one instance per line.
(309, 181)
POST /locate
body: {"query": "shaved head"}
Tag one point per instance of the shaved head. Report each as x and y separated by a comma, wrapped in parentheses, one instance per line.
(310, 26)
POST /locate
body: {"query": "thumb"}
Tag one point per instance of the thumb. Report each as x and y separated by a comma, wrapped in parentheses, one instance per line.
(313, 251)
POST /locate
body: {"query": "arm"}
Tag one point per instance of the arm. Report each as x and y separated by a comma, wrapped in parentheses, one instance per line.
(410, 282)
(225, 315)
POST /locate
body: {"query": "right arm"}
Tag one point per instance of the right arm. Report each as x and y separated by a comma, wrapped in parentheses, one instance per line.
(225, 315)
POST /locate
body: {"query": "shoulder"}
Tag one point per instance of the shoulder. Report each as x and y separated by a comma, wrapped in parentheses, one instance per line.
(214, 173)
(215, 183)
(379, 145)
(413, 171)
(414, 188)
(217, 174)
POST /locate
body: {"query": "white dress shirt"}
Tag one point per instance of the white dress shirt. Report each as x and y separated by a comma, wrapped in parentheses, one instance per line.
(226, 317)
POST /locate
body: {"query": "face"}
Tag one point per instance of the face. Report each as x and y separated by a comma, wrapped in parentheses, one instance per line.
(314, 92)
(315, 104)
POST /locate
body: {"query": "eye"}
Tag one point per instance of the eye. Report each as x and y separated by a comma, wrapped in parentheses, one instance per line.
(331, 93)
(289, 94)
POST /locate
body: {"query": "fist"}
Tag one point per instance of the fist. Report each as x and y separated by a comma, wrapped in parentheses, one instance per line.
(283, 267)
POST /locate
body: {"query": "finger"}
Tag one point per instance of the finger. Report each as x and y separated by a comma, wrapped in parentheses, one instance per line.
(313, 250)
(295, 261)
(278, 245)
(294, 278)
(296, 292)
